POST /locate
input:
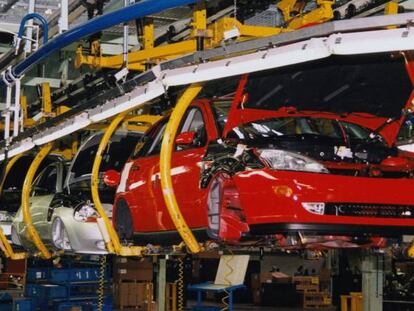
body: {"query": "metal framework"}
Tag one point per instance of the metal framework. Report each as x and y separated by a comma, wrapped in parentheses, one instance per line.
(370, 35)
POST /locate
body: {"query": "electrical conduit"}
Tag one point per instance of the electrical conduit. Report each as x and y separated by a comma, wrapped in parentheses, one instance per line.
(43, 20)
(132, 12)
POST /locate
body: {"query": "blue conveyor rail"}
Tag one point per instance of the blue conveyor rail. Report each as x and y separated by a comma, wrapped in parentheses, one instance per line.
(132, 12)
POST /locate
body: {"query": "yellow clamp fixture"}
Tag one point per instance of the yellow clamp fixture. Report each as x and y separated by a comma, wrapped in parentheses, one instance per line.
(27, 185)
(165, 167)
(113, 244)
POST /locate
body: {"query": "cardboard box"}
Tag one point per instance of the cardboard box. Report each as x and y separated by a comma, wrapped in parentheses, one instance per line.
(127, 269)
(266, 277)
(133, 275)
(132, 294)
(255, 281)
(257, 296)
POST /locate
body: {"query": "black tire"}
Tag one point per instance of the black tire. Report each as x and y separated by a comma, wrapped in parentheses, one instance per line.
(214, 205)
(351, 11)
(337, 15)
(123, 222)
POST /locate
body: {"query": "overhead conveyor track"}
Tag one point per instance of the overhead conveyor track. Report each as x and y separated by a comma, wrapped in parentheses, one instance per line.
(329, 37)
(336, 38)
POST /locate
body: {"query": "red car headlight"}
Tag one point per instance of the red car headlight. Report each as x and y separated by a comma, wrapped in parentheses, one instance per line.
(314, 207)
(290, 161)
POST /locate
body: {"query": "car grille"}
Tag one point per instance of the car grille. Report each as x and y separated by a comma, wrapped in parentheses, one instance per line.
(370, 210)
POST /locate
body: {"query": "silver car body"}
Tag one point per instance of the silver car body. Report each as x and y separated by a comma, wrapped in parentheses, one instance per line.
(57, 223)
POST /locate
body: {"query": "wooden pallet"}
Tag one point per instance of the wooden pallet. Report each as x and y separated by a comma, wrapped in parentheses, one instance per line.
(316, 306)
(316, 300)
(171, 297)
(308, 288)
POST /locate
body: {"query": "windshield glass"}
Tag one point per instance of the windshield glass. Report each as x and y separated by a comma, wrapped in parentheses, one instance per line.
(378, 85)
(115, 156)
(274, 128)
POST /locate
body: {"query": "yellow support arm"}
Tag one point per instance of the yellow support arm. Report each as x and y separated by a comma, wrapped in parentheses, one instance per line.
(148, 33)
(4, 243)
(8, 250)
(114, 245)
(165, 167)
(27, 185)
(137, 59)
(46, 99)
(391, 8)
(322, 14)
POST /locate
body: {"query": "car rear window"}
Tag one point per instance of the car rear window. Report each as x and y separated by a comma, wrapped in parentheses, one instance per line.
(115, 156)
(377, 84)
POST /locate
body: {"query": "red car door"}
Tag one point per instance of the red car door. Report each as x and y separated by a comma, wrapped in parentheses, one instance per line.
(137, 182)
(185, 170)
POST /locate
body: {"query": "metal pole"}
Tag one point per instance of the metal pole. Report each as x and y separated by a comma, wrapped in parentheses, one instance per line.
(125, 41)
(372, 282)
(64, 13)
(161, 283)
(16, 108)
(7, 114)
(29, 31)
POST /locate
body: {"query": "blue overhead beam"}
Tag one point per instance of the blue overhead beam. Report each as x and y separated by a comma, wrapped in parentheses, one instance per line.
(132, 12)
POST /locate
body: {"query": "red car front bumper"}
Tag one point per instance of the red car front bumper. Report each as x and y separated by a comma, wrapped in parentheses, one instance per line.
(272, 201)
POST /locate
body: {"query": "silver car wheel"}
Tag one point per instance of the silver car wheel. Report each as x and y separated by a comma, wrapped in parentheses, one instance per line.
(60, 235)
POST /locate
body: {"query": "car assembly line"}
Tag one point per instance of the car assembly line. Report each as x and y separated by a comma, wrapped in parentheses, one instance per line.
(257, 135)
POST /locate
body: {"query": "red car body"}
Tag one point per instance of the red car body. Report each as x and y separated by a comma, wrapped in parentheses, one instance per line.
(263, 201)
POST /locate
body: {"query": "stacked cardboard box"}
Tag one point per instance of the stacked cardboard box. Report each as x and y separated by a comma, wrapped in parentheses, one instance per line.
(133, 287)
(126, 269)
(306, 283)
(313, 297)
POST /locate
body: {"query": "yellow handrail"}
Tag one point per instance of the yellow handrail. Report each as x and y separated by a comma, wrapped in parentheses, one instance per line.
(113, 245)
(27, 185)
(165, 167)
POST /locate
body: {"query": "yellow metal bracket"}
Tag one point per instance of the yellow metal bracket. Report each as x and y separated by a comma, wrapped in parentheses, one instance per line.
(391, 8)
(113, 244)
(165, 167)
(27, 185)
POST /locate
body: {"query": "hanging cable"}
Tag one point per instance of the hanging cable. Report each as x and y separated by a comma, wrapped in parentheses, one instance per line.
(225, 299)
(101, 283)
(180, 284)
